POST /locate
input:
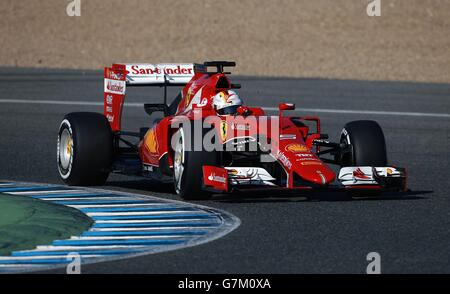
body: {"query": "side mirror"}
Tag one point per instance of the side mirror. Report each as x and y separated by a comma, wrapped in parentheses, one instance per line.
(286, 106)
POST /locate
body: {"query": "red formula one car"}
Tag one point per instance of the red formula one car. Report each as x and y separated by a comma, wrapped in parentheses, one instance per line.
(208, 141)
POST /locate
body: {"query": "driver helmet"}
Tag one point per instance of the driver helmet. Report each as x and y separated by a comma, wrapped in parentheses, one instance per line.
(226, 102)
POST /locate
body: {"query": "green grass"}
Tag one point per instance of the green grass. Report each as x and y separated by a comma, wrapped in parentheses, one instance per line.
(26, 222)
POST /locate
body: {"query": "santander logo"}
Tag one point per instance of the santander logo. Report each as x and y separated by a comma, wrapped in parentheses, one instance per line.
(169, 70)
(114, 87)
(213, 177)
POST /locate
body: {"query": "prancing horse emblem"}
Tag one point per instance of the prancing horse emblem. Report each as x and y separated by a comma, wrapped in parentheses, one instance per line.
(223, 130)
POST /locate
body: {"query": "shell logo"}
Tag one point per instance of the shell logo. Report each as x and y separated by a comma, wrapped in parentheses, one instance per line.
(295, 147)
(151, 142)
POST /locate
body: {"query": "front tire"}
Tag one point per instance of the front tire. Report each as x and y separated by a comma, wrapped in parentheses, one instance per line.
(365, 142)
(85, 149)
(188, 166)
(366, 146)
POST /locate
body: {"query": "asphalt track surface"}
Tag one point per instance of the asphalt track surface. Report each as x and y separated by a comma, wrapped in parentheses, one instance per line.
(327, 233)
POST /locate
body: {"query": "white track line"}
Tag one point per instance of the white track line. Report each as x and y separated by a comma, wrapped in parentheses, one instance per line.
(45, 248)
(164, 212)
(26, 265)
(94, 238)
(149, 229)
(135, 221)
(320, 110)
(42, 257)
(87, 198)
(143, 205)
(36, 193)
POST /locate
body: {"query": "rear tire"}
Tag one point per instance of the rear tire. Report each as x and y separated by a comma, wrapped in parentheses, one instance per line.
(188, 166)
(367, 146)
(85, 149)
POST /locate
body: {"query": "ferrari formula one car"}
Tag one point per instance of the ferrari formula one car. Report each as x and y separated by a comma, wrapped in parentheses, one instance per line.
(208, 141)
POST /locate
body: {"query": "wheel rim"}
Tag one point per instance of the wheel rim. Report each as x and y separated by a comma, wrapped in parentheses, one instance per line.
(178, 162)
(65, 149)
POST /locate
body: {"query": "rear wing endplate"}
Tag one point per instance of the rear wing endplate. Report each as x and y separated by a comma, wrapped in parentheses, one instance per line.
(120, 76)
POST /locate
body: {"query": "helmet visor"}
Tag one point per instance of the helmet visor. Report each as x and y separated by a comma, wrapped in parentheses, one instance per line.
(228, 110)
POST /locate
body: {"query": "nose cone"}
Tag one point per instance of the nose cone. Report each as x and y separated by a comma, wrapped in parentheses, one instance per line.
(317, 174)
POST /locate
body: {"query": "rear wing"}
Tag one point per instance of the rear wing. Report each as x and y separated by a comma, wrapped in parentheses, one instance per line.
(120, 76)
(158, 74)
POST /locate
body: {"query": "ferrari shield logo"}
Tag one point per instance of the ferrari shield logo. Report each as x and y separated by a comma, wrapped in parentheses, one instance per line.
(223, 130)
(188, 97)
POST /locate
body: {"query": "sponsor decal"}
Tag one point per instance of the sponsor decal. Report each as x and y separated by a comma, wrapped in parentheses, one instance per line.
(114, 86)
(109, 99)
(151, 142)
(240, 127)
(168, 70)
(322, 177)
(345, 133)
(219, 179)
(223, 130)
(296, 147)
(109, 108)
(311, 159)
(249, 173)
(359, 174)
(147, 167)
(202, 103)
(142, 70)
(288, 137)
(111, 74)
(311, 162)
(284, 160)
(241, 140)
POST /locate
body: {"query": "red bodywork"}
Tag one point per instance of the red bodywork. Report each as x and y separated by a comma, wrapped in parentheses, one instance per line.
(294, 150)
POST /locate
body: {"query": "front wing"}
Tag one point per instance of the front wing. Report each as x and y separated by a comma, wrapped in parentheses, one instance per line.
(227, 179)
